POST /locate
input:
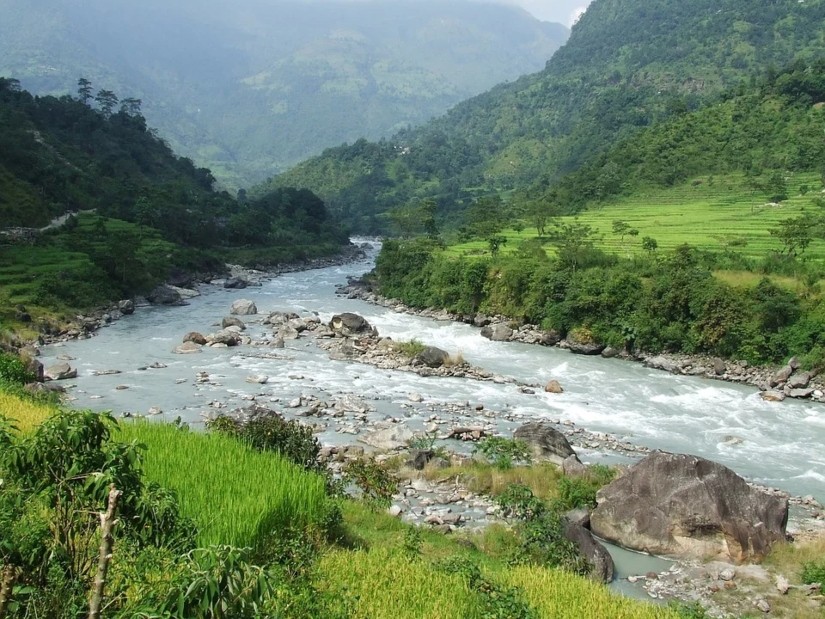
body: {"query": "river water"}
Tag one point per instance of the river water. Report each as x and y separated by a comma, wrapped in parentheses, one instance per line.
(776, 444)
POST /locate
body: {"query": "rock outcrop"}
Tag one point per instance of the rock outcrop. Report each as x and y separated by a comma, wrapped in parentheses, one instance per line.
(497, 332)
(243, 307)
(545, 441)
(164, 295)
(682, 505)
(432, 357)
(349, 324)
(60, 371)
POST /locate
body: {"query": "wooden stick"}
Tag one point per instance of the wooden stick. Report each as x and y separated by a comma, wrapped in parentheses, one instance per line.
(6, 586)
(107, 540)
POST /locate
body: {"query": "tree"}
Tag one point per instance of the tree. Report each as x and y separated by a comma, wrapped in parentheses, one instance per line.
(796, 233)
(572, 241)
(131, 106)
(84, 90)
(495, 242)
(649, 244)
(621, 228)
(107, 100)
(540, 212)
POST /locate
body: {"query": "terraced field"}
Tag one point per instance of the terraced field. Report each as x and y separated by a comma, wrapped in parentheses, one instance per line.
(714, 215)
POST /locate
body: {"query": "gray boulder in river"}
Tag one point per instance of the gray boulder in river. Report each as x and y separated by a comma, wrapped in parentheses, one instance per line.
(545, 441)
(432, 357)
(349, 324)
(686, 506)
(243, 307)
(164, 295)
(497, 333)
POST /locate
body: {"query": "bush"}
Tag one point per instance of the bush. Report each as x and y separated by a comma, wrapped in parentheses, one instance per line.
(502, 452)
(376, 483)
(271, 432)
(13, 370)
(813, 571)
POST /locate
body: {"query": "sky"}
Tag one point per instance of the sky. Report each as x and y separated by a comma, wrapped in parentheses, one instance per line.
(562, 11)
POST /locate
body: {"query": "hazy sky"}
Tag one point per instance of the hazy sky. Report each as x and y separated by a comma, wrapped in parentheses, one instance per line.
(562, 11)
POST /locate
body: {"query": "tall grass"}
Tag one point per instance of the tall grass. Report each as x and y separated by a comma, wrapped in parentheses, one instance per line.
(562, 595)
(385, 584)
(236, 495)
(24, 413)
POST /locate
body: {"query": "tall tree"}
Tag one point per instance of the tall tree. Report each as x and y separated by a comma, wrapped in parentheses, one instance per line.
(84, 90)
(107, 100)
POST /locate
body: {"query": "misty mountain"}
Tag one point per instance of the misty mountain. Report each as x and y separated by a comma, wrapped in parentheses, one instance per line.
(248, 88)
(627, 65)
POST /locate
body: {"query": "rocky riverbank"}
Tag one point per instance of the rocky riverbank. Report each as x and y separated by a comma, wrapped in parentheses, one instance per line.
(774, 383)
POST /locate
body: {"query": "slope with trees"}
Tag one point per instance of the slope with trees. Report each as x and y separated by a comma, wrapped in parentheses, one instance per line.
(131, 212)
(627, 65)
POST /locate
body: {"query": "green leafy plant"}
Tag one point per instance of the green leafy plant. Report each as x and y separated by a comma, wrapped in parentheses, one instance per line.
(410, 349)
(412, 542)
(813, 571)
(377, 484)
(541, 531)
(502, 452)
(13, 370)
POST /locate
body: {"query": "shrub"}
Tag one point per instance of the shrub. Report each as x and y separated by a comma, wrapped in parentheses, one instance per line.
(410, 349)
(13, 370)
(502, 452)
(376, 483)
(813, 571)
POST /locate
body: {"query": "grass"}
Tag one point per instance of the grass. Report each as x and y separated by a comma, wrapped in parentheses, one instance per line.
(562, 595)
(26, 414)
(484, 478)
(236, 495)
(385, 584)
(724, 213)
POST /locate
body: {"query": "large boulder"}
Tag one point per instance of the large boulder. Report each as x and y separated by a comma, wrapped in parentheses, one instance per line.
(393, 437)
(349, 324)
(243, 307)
(195, 337)
(225, 336)
(235, 283)
(582, 343)
(126, 306)
(497, 333)
(596, 555)
(164, 295)
(60, 371)
(546, 442)
(686, 506)
(232, 321)
(432, 357)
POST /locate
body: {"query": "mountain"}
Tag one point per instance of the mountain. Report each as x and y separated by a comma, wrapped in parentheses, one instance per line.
(95, 207)
(627, 65)
(251, 87)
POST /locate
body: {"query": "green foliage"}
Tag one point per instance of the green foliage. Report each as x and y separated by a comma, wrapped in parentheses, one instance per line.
(580, 491)
(813, 571)
(410, 349)
(503, 452)
(13, 370)
(236, 495)
(376, 483)
(412, 542)
(271, 432)
(541, 531)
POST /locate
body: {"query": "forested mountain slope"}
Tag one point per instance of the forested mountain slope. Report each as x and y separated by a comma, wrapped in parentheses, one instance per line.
(627, 65)
(248, 88)
(134, 212)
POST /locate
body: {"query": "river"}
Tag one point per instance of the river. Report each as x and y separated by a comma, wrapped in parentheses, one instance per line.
(775, 444)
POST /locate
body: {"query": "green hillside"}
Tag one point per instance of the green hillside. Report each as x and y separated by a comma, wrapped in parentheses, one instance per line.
(627, 65)
(127, 213)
